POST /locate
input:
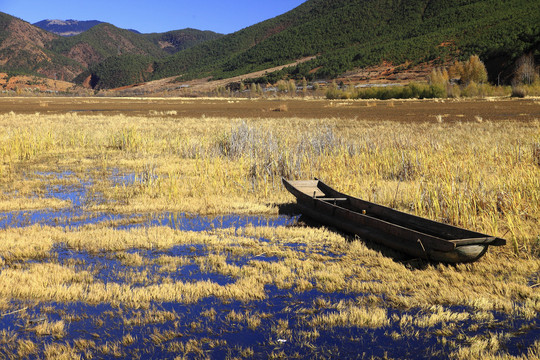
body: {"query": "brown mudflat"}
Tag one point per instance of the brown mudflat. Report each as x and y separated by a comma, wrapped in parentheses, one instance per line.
(390, 110)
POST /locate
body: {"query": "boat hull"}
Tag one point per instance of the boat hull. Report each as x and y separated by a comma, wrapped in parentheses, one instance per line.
(399, 231)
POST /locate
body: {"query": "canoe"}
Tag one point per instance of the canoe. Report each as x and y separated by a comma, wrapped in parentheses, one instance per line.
(406, 233)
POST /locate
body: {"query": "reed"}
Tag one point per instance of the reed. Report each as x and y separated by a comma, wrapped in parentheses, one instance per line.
(479, 175)
(253, 321)
(282, 330)
(112, 349)
(472, 172)
(15, 244)
(55, 328)
(130, 259)
(159, 337)
(32, 204)
(128, 340)
(150, 316)
(26, 348)
(84, 345)
(438, 315)
(352, 316)
(312, 263)
(188, 347)
(60, 352)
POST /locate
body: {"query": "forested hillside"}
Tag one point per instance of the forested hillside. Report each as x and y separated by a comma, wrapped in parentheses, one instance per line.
(103, 41)
(356, 33)
(341, 35)
(28, 49)
(23, 50)
(174, 41)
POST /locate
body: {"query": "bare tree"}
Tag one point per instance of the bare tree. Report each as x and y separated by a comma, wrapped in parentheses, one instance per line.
(525, 72)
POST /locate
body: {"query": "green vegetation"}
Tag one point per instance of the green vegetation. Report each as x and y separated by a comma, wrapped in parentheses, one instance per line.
(410, 91)
(118, 71)
(31, 50)
(341, 34)
(26, 63)
(462, 79)
(5, 19)
(174, 41)
(103, 39)
(127, 69)
(348, 34)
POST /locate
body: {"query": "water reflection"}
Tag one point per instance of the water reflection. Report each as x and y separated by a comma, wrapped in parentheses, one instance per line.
(78, 195)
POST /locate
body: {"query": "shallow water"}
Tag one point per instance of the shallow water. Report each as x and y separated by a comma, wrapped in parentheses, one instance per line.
(168, 329)
(76, 216)
(104, 324)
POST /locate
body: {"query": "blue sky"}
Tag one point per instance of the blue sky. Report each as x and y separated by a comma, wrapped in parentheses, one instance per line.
(154, 16)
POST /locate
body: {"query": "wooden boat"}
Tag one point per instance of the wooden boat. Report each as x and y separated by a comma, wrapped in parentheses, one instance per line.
(410, 234)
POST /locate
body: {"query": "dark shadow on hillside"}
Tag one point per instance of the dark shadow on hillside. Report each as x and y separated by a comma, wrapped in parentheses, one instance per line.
(305, 221)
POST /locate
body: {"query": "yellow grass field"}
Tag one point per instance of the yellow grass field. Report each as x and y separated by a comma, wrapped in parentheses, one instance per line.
(476, 173)
(478, 168)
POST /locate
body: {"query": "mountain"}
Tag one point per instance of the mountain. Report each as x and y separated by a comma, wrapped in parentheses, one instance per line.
(23, 48)
(28, 49)
(348, 34)
(66, 27)
(174, 41)
(127, 69)
(339, 36)
(104, 41)
(70, 27)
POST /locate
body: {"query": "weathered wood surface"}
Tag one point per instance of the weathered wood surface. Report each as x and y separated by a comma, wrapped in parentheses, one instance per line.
(404, 232)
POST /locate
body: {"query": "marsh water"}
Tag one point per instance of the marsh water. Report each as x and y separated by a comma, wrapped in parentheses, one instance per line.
(206, 328)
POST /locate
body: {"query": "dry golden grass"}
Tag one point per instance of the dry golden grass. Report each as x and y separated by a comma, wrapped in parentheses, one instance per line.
(56, 351)
(55, 328)
(480, 174)
(210, 314)
(22, 204)
(486, 349)
(96, 239)
(130, 259)
(47, 282)
(282, 330)
(26, 243)
(253, 321)
(150, 316)
(128, 339)
(26, 348)
(172, 263)
(159, 337)
(352, 316)
(84, 344)
(112, 349)
(191, 346)
(321, 259)
(439, 315)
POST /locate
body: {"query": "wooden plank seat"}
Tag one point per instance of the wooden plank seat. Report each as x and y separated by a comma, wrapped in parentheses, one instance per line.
(331, 199)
